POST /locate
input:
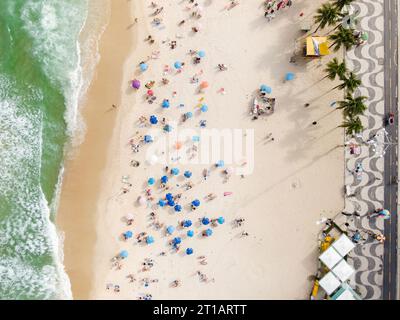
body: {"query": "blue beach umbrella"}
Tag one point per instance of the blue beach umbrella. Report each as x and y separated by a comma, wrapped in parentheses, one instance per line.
(221, 220)
(196, 202)
(289, 76)
(128, 234)
(169, 196)
(189, 251)
(205, 221)
(167, 128)
(143, 66)
(187, 223)
(149, 239)
(265, 88)
(187, 174)
(170, 229)
(176, 241)
(151, 181)
(195, 138)
(148, 138)
(220, 163)
(201, 53)
(175, 171)
(171, 203)
(161, 203)
(190, 233)
(123, 254)
(208, 232)
(153, 119)
(204, 108)
(178, 65)
(178, 208)
(164, 179)
(189, 115)
(165, 103)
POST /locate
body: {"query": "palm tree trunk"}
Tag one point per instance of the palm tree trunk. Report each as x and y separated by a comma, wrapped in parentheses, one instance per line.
(332, 44)
(319, 26)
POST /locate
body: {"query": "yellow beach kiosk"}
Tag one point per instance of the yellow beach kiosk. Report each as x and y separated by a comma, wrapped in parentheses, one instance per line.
(317, 46)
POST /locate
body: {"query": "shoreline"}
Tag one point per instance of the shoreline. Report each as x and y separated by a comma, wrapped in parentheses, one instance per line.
(85, 163)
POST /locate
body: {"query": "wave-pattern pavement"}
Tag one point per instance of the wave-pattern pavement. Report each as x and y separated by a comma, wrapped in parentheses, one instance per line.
(366, 62)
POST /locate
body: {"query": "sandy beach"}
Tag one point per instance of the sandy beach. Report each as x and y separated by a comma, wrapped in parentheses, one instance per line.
(297, 178)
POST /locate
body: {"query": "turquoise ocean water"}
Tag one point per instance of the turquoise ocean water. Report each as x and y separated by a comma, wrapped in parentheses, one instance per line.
(39, 87)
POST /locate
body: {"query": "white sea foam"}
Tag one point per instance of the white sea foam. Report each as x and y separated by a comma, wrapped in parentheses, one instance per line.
(27, 233)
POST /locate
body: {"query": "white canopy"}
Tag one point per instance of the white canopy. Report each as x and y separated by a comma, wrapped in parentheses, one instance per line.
(343, 245)
(329, 283)
(343, 270)
(330, 257)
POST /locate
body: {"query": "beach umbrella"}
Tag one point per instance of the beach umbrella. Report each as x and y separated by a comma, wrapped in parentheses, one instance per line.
(178, 208)
(195, 138)
(204, 108)
(161, 203)
(123, 254)
(175, 171)
(178, 145)
(190, 233)
(165, 103)
(153, 159)
(153, 119)
(164, 179)
(128, 234)
(149, 239)
(229, 170)
(176, 241)
(129, 216)
(150, 92)
(205, 221)
(188, 115)
(142, 201)
(265, 88)
(187, 223)
(178, 65)
(220, 163)
(143, 66)
(208, 232)
(221, 220)
(187, 174)
(169, 196)
(148, 138)
(171, 203)
(151, 181)
(189, 251)
(289, 76)
(201, 54)
(170, 229)
(196, 202)
(136, 84)
(167, 128)
(204, 85)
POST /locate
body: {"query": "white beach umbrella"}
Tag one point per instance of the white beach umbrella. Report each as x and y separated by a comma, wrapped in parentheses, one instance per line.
(142, 201)
(129, 216)
(153, 159)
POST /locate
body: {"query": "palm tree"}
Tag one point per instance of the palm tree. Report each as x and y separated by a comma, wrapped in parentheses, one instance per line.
(350, 83)
(352, 125)
(335, 69)
(326, 15)
(352, 106)
(340, 4)
(342, 37)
